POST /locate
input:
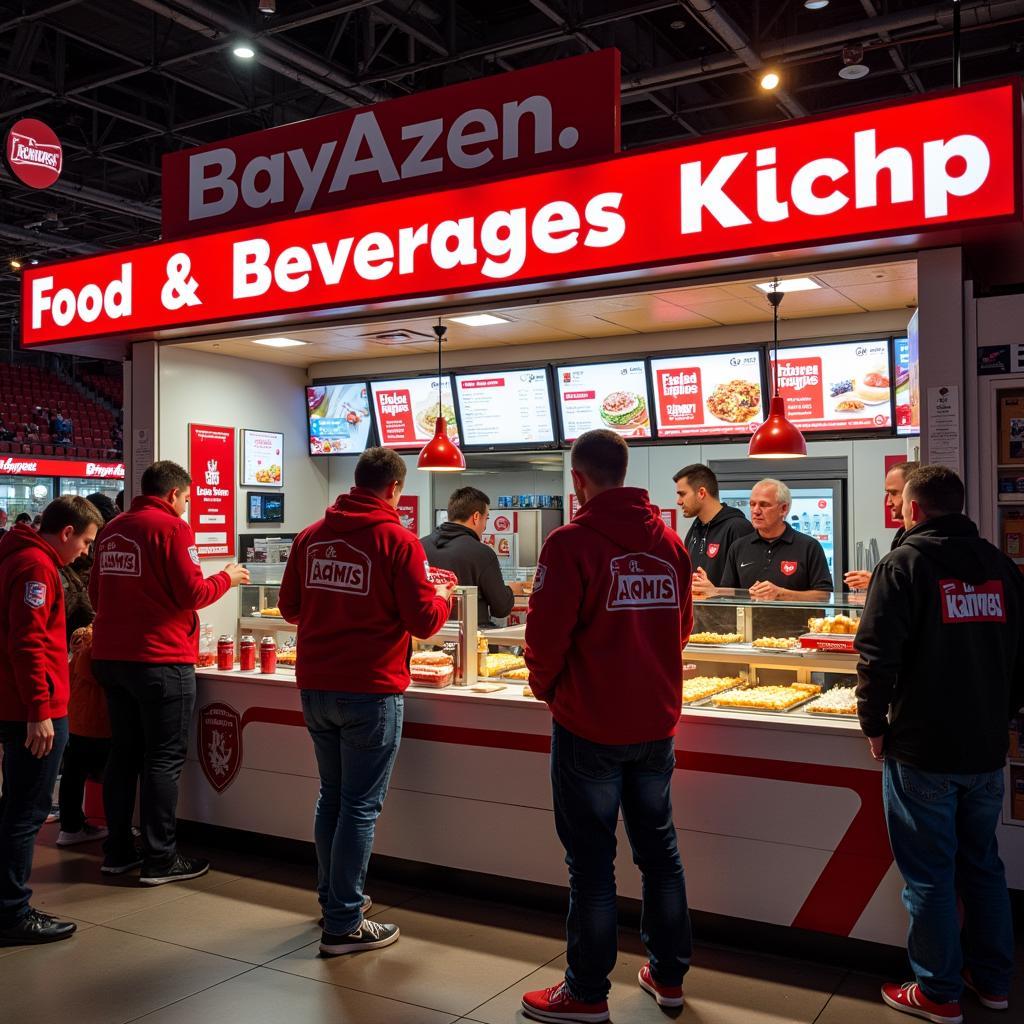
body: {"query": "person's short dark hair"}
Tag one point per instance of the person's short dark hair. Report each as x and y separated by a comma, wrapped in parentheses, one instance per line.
(378, 468)
(102, 501)
(119, 500)
(163, 477)
(906, 468)
(602, 456)
(937, 490)
(23, 517)
(698, 475)
(465, 502)
(70, 510)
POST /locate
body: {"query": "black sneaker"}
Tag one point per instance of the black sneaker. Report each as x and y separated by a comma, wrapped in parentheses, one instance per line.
(369, 935)
(113, 865)
(365, 907)
(181, 869)
(35, 928)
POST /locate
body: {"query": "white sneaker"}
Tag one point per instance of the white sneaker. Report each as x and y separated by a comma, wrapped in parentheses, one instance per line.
(89, 833)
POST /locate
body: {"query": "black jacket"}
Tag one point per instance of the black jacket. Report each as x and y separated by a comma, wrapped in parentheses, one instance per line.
(708, 544)
(458, 549)
(941, 643)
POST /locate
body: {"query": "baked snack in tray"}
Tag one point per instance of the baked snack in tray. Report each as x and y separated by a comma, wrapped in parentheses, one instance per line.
(700, 687)
(835, 624)
(287, 655)
(715, 638)
(271, 613)
(776, 643)
(500, 663)
(522, 674)
(764, 698)
(432, 668)
(527, 692)
(840, 700)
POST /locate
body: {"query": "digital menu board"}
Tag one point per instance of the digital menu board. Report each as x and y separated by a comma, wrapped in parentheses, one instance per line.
(262, 458)
(339, 419)
(837, 387)
(505, 407)
(706, 395)
(406, 410)
(604, 395)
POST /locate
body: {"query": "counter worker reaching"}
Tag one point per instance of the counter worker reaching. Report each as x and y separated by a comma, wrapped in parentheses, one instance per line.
(775, 563)
(609, 616)
(941, 672)
(895, 481)
(34, 690)
(146, 585)
(356, 586)
(716, 526)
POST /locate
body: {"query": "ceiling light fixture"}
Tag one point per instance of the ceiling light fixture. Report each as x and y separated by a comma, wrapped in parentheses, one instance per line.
(279, 342)
(815, 5)
(793, 284)
(770, 80)
(243, 51)
(853, 64)
(479, 320)
(270, 6)
(15, 264)
(776, 438)
(439, 455)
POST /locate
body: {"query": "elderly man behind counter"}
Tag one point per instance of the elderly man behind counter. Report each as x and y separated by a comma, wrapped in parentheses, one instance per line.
(775, 563)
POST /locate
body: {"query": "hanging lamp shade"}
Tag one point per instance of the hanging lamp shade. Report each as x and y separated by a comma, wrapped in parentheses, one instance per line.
(439, 455)
(777, 438)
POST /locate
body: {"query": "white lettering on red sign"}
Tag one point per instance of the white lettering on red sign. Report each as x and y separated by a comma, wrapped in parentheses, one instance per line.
(642, 582)
(964, 602)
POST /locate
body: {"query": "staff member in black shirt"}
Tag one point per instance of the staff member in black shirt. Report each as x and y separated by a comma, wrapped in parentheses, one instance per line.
(775, 563)
(716, 526)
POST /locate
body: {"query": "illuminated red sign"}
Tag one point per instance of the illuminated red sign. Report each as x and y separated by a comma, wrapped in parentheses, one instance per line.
(29, 465)
(929, 163)
(505, 124)
(33, 153)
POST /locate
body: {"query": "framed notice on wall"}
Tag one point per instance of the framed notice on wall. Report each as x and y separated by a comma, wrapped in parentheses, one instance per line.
(262, 458)
(409, 512)
(211, 512)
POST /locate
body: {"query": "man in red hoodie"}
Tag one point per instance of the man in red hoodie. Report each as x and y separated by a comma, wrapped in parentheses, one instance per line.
(356, 584)
(610, 614)
(146, 586)
(34, 689)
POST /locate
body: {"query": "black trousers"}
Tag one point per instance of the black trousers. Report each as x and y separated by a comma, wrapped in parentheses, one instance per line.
(85, 757)
(150, 710)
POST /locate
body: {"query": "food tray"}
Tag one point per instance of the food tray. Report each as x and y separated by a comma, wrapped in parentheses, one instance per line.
(766, 711)
(825, 714)
(839, 642)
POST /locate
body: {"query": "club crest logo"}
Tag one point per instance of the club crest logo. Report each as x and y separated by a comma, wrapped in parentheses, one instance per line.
(642, 582)
(35, 594)
(788, 568)
(220, 744)
(713, 550)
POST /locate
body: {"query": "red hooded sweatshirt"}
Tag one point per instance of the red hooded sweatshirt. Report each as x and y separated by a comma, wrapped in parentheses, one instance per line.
(33, 644)
(610, 613)
(146, 586)
(356, 584)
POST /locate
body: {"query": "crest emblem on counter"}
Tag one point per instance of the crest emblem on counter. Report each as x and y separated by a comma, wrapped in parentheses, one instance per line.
(220, 744)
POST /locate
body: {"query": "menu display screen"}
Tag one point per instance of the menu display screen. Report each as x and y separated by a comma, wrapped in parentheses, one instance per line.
(339, 419)
(604, 395)
(407, 410)
(506, 407)
(837, 387)
(708, 395)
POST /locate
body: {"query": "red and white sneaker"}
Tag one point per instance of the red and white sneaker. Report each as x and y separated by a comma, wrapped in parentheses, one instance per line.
(987, 999)
(908, 998)
(665, 995)
(557, 1003)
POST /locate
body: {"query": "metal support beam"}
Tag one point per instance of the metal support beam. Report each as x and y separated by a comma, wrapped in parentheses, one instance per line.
(57, 243)
(910, 79)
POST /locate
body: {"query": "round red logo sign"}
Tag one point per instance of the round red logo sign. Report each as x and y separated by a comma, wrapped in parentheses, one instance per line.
(33, 153)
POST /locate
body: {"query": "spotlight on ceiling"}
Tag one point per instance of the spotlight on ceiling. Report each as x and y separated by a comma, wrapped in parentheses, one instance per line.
(270, 6)
(770, 80)
(853, 64)
(815, 5)
(243, 51)
(15, 264)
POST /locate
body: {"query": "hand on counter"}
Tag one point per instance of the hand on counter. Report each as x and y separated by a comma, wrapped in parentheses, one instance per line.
(765, 591)
(701, 585)
(518, 587)
(236, 573)
(857, 579)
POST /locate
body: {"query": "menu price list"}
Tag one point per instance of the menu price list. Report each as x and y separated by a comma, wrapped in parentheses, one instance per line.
(604, 396)
(509, 407)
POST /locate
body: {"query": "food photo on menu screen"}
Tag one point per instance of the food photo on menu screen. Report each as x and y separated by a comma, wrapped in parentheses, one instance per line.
(608, 395)
(407, 410)
(713, 394)
(837, 387)
(505, 407)
(339, 419)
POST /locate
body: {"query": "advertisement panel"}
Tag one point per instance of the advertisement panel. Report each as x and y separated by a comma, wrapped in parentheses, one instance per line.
(211, 512)
(262, 458)
(30, 465)
(506, 407)
(339, 418)
(604, 395)
(406, 411)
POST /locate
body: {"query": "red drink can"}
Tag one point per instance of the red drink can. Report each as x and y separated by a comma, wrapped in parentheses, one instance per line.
(268, 655)
(247, 653)
(225, 653)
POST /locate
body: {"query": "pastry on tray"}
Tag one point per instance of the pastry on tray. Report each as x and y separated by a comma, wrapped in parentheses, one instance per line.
(499, 664)
(764, 698)
(841, 624)
(271, 613)
(840, 700)
(517, 673)
(715, 638)
(776, 643)
(700, 687)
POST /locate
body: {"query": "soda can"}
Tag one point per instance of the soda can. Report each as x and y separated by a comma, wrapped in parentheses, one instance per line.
(247, 653)
(268, 655)
(225, 653)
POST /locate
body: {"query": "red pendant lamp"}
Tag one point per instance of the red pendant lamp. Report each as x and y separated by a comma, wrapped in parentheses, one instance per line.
(439, 455)
(776, 438)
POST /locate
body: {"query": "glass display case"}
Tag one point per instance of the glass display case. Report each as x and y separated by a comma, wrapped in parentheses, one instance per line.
(258, 614)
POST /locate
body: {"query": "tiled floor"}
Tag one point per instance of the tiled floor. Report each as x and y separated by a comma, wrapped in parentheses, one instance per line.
(239, 946)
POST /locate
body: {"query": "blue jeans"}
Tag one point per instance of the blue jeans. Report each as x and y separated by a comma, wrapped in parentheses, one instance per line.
(27, 797)
(943, 834)
(590, 782)
(355, 738)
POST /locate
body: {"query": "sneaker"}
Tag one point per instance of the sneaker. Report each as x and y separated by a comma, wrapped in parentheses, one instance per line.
(86, 834)
(665, 995)
(369, 935)
(181, 869)
(364, 908)
(908, 998)
(35, 928)
(54, 814)
(987, 999)
(120, 866)
(557, 1003)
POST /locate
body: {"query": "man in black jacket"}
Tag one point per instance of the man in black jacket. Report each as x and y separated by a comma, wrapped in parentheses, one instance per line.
(458, 546)
(941, 671)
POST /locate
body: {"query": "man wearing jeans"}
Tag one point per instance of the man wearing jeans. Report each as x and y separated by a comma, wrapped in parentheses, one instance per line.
(609, 616)
(941, 672)
(34, 689)
(356, 585)
(146, 586)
